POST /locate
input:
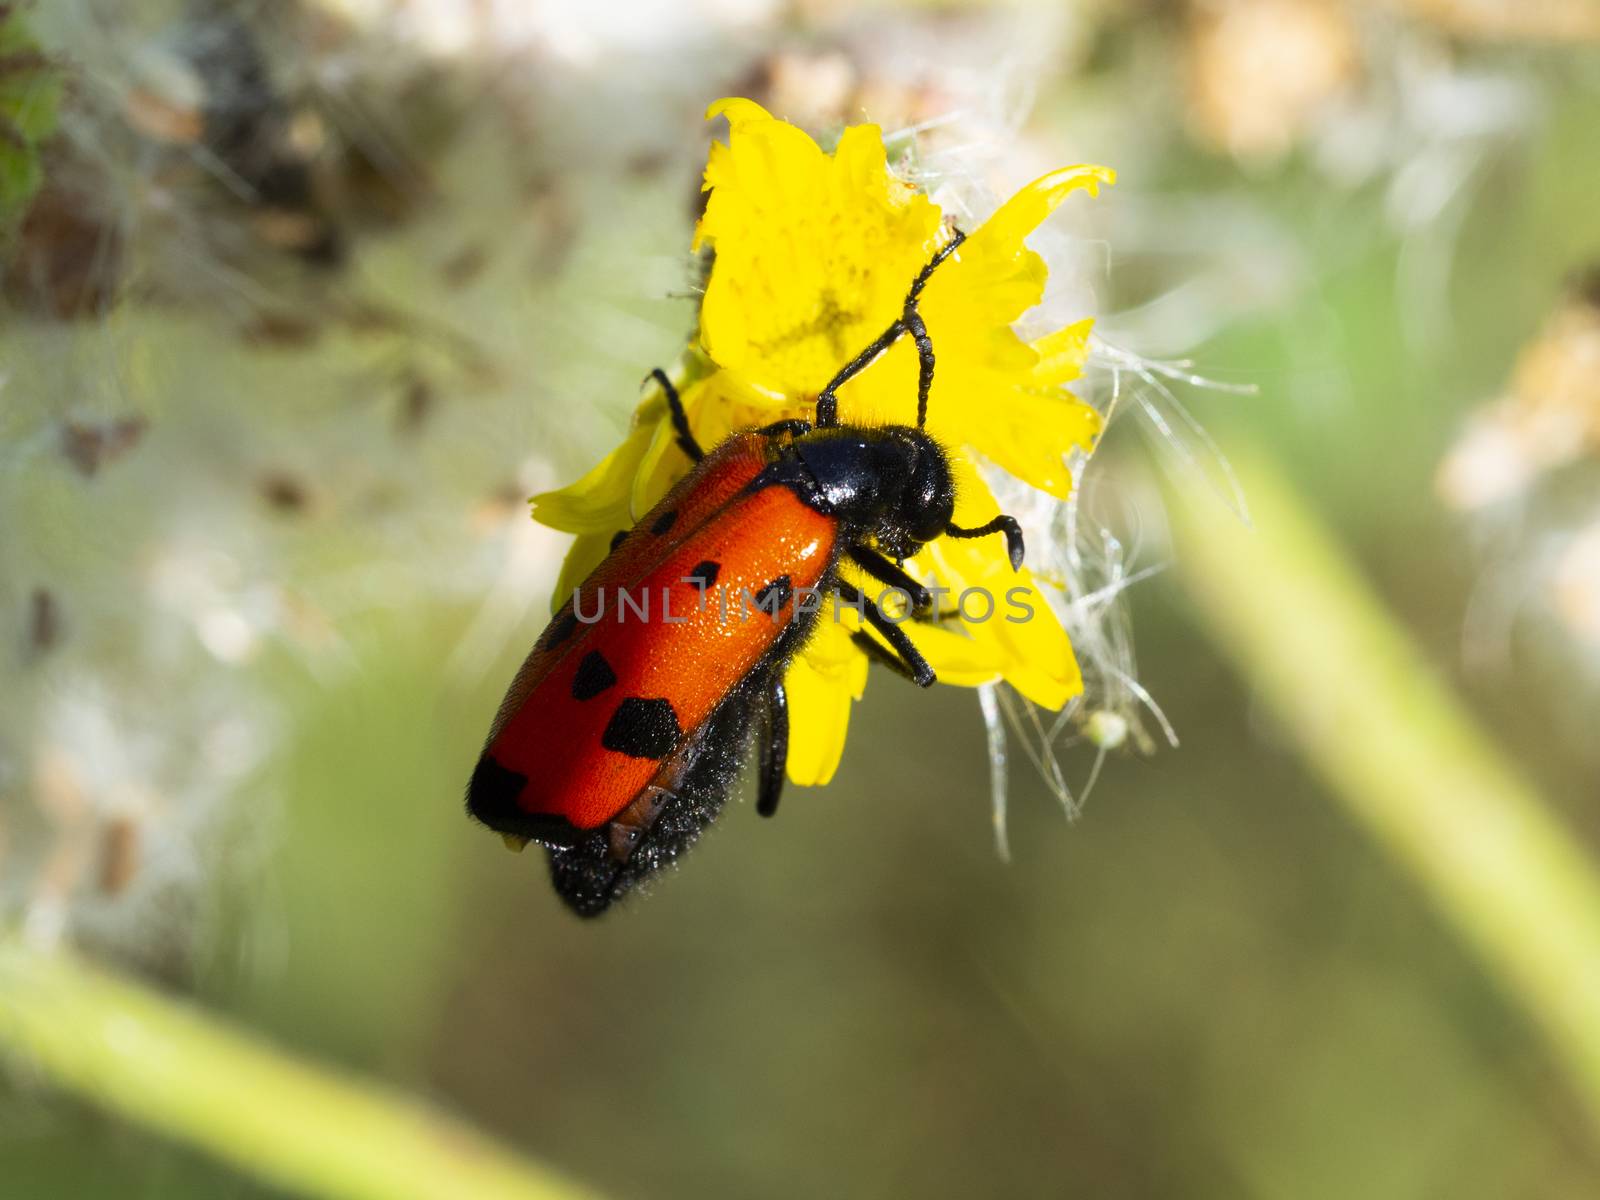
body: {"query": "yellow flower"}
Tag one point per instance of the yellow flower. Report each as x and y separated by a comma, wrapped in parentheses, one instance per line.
(813, 256)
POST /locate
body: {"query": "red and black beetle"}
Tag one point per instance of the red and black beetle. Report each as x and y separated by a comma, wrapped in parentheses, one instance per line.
(620, 739)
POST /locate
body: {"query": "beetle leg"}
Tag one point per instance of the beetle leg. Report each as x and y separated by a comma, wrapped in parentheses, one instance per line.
(917, 666)
(878, 653)
(886, 572)
(774, 749)
(680, 419)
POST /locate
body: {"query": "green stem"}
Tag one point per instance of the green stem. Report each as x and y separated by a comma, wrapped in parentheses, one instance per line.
(1400, 752)
(165, 1065)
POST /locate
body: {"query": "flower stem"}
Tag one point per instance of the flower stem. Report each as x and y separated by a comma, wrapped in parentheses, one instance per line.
(1399, 751)
(302, 1127)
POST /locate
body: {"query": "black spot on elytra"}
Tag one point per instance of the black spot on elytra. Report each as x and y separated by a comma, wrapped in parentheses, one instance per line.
(594, 676)
(560, 630)
(775, 595)
(704, 574)
(664, 522)
(493, 793)
(643, 728)
(495, 797)
(618, 538)
(587, 872)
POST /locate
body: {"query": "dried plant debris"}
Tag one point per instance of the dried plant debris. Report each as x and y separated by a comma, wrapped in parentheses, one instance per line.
(203, 160)
(223, 245)
(66, 261)
(91, 445)
(285, 493)
(44, 625)
(263, 147)
(119, 854)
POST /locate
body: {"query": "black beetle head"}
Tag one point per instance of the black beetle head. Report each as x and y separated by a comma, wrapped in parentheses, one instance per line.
(891, 483)
(929, 499)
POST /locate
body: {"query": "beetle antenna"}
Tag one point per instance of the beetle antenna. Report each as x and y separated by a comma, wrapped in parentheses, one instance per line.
(1001, 524)
(921, 281)
(828, 400)
(912, 320)
(909, 321)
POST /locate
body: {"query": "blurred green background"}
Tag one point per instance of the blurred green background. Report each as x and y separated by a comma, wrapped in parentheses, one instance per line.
(1210, 984)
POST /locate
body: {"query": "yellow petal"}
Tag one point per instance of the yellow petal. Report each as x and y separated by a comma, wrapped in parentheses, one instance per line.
(586, 553)
(661, 465)
(975, 505)
(861, 167)
(599, 502)
(1033, 655)
(1019, 216)
(1032, 438)
(1026, 419)
(606, 500)
(1063, 353)
(1023, 637)
(739, 110)
(814, 251)
(822, 682)
(995, 278)
(1042, 666)
(955, 656)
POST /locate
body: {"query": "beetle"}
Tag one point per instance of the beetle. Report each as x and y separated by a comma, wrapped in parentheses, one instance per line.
(620, 739)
